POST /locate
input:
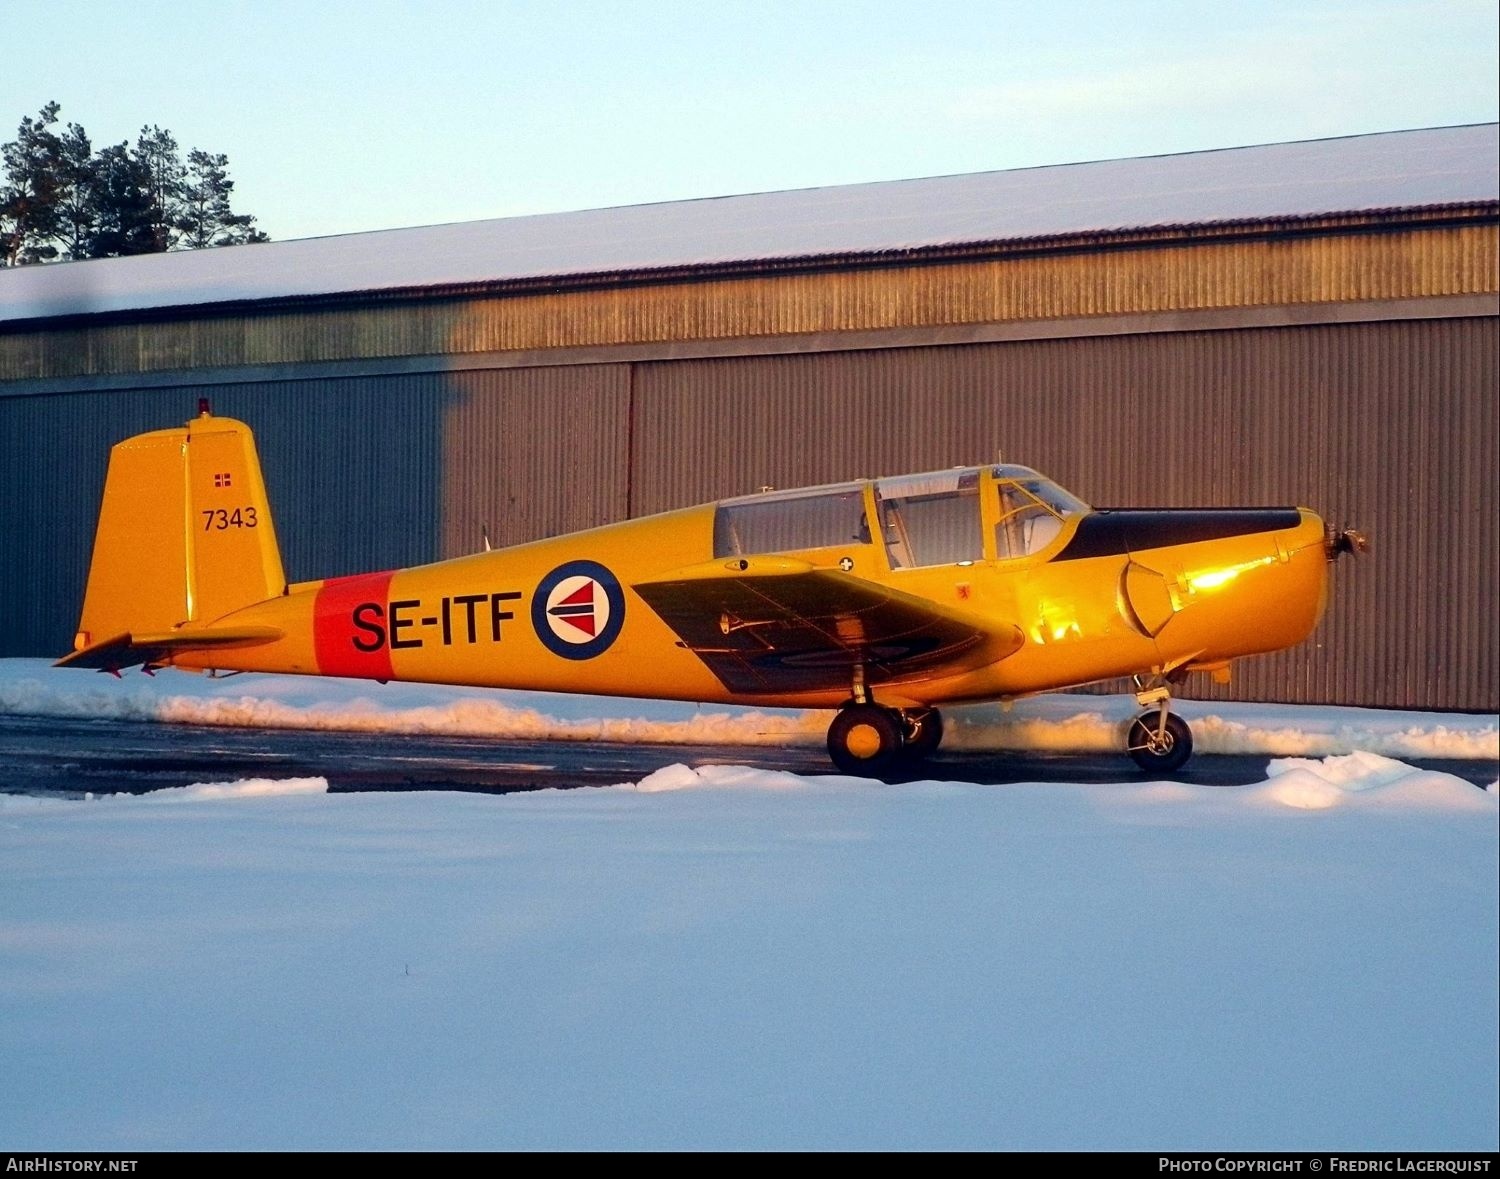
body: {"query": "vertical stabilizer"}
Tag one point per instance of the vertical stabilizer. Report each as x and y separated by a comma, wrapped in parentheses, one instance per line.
(185, 533)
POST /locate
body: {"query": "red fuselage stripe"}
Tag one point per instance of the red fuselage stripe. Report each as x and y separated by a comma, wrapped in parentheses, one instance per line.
(344, 646)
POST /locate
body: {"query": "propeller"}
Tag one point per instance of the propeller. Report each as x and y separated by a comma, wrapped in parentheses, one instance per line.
(1347, 540)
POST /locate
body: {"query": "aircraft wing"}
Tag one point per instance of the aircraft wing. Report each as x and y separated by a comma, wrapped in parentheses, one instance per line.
(775, 625)
(128, 650)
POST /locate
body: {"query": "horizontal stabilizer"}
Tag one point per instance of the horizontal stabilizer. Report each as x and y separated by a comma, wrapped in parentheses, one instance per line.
(129, 650)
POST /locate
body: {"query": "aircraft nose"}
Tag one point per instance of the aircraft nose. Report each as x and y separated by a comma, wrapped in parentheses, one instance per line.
(1301, 576)
(1248, 594)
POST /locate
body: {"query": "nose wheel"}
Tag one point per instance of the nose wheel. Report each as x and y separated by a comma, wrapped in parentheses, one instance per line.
(1158, 741)
(1159, 748)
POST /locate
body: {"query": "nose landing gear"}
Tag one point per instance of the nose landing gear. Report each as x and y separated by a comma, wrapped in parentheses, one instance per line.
(1158, 741)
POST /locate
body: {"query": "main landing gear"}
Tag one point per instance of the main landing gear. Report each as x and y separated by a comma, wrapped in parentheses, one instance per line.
(1158, 741)
(868, 740)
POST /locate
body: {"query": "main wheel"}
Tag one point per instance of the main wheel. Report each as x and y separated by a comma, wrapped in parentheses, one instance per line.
(923, 729)
(1161, 753)
(865, 739)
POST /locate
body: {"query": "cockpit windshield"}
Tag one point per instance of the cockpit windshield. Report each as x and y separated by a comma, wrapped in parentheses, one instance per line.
(1032, 511)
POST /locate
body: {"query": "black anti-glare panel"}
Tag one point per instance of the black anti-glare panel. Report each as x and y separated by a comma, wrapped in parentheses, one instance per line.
(1109, 532)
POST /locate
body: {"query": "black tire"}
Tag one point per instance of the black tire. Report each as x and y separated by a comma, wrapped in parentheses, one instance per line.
(1159, 757)
(865, 739)
(923, 728)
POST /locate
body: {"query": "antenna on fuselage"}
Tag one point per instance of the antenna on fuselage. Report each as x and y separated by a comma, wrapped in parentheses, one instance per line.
(484, 533)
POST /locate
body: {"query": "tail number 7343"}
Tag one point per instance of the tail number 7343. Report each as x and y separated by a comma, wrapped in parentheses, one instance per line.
(219, 519)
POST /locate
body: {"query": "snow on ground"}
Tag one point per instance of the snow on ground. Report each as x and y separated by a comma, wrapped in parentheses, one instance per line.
(734, 958)
(32, 687)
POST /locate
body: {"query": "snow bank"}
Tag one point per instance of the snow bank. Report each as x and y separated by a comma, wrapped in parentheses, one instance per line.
(1356, 779)
(31, 687)
(1367, 779)
(1299, 783)
(1073, 723)
(681, 777)
(197, 792)
(217, 791)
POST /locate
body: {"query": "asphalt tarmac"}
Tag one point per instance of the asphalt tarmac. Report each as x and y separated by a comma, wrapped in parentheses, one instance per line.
(69, 757)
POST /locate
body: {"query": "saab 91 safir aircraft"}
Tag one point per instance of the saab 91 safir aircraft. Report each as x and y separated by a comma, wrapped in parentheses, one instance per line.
(883, 599)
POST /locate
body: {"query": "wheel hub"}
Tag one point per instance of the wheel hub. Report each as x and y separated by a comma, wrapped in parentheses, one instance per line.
(863, 741)
(1159, 742)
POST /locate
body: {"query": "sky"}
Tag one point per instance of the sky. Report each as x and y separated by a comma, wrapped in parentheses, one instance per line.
(343, 117)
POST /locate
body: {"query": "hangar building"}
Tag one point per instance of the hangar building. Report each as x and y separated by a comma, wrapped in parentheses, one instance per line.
(1310, 323)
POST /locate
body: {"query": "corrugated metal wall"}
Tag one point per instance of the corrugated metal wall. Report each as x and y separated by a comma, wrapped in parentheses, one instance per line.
(1275, 269)
(529, 453)
(1387, 426)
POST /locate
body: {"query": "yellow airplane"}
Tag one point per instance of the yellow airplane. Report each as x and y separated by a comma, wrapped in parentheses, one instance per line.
(881, 598)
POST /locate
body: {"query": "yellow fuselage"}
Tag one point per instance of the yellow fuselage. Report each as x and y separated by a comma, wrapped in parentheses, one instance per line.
(503, 618)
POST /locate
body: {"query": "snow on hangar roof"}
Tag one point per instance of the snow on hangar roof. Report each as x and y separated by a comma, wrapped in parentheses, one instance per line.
(1364, 173)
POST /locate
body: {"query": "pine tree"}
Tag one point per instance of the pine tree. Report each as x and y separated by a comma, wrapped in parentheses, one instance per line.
(123, 221)
(207, 219)
(77, 212)
(28, 196)
(58, 197)
(162, 180)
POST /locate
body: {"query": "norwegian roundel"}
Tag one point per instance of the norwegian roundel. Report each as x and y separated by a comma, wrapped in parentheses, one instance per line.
(578, 610)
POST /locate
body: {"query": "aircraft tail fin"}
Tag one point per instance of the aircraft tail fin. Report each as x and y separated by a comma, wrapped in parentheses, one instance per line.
(185, 533)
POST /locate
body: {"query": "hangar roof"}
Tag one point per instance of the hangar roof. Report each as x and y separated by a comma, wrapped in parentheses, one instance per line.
(1358, 174)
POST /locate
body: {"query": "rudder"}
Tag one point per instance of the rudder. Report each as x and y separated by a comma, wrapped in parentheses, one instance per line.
(185, 533)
